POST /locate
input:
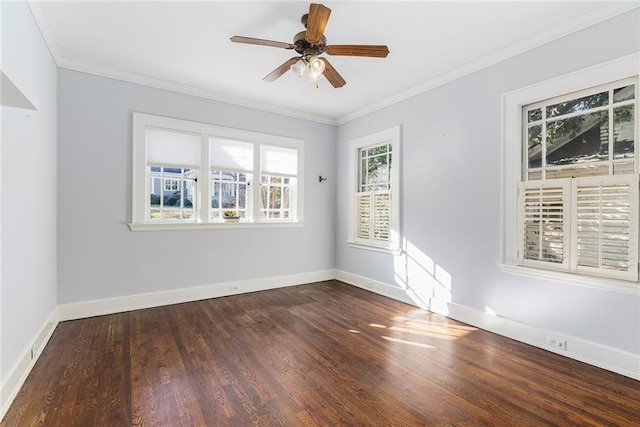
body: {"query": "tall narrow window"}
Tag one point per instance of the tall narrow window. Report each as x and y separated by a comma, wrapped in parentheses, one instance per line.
(231, 171)
(172, 161)
(374, 209)
(278, 182)
(373, 198)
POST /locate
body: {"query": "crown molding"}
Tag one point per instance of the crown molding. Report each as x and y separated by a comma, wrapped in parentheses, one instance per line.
(613, 9)
(191, 90)
(41, 21)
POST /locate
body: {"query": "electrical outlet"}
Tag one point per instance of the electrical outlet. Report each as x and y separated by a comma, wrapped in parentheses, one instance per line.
(34, 351)
(558, 343)
(233, 288)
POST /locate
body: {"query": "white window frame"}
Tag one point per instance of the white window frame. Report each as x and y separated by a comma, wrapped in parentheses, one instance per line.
(140, 179)
(512, 164)
(392, 137)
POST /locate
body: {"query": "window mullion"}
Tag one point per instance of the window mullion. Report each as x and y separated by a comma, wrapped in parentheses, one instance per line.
(203, 181)
(256, 185)
(610, 133)
(543, 151)
(572, 230)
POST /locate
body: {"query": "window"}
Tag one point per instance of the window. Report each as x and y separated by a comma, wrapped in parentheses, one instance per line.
(579, 194)
(170, 155)
(374, 191)
(575, 210)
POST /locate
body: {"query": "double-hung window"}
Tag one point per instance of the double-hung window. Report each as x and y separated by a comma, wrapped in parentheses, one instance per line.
(578, 197)
(190, 175)
(374, 190)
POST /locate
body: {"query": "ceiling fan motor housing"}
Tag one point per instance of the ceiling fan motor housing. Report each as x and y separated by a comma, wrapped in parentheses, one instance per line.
(303, 47)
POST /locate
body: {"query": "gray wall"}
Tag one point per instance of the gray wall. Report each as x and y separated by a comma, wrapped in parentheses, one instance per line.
(28, 210)
(450, 193)
(99, 257)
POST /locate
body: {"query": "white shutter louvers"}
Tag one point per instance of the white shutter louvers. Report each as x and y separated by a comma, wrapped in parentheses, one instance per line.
(606, 225)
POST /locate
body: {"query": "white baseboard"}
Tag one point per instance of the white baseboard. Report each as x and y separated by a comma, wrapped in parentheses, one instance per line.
(21, 369)
(611, 359)
(100, 307)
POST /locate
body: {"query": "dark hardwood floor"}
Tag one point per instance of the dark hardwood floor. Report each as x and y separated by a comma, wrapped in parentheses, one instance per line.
(313, 355)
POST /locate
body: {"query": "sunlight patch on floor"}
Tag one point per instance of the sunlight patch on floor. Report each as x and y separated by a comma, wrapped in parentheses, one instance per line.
(413, 343)
(431, 329)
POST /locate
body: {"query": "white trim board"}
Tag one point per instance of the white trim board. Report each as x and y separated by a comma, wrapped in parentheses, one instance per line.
(611, 359)
(101, 307)
(11, 385)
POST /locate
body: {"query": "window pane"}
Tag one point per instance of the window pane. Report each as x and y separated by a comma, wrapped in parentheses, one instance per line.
(535, 175)
(623, 132)
(623, 168)
(276, 197)
(380, 149)
(187, 194)
(624, 93)
(229, 192)
(377, 170)
(155, 193)
(171, 193)
(579, 104)
(578, 139)
(592, 169)
(228, 195)
(215, 198)
(534, 115)
(535, 146)
(171, 197)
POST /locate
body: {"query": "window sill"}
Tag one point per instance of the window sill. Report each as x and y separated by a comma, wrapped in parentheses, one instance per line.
(374, 248)
(211, 226)
(601, 283)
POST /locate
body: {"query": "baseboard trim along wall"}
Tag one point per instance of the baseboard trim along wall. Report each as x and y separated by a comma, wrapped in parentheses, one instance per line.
(611, 359)
(100, 307)
(10, 386)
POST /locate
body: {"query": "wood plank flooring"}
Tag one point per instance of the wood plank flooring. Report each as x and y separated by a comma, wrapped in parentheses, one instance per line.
(312, 355)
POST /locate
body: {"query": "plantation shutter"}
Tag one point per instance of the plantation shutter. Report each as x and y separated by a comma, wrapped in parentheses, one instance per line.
(543, 230)
(373, 216)
(381, 216)
(606, 226)
(363, 216)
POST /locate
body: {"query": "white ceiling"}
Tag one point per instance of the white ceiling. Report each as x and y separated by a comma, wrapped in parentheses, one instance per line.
(184, 46)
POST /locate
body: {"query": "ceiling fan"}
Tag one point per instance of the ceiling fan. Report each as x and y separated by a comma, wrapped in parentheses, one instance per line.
(312, 43)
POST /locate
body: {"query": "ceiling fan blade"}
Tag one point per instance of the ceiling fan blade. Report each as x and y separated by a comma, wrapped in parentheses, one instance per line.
(332, 75)
(317, 22)
(275, 74)
(374, 51)
(261, 42)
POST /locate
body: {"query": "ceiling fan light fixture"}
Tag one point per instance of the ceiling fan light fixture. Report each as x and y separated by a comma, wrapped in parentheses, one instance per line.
(313, 77)
(299, 68)
(316, 65)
